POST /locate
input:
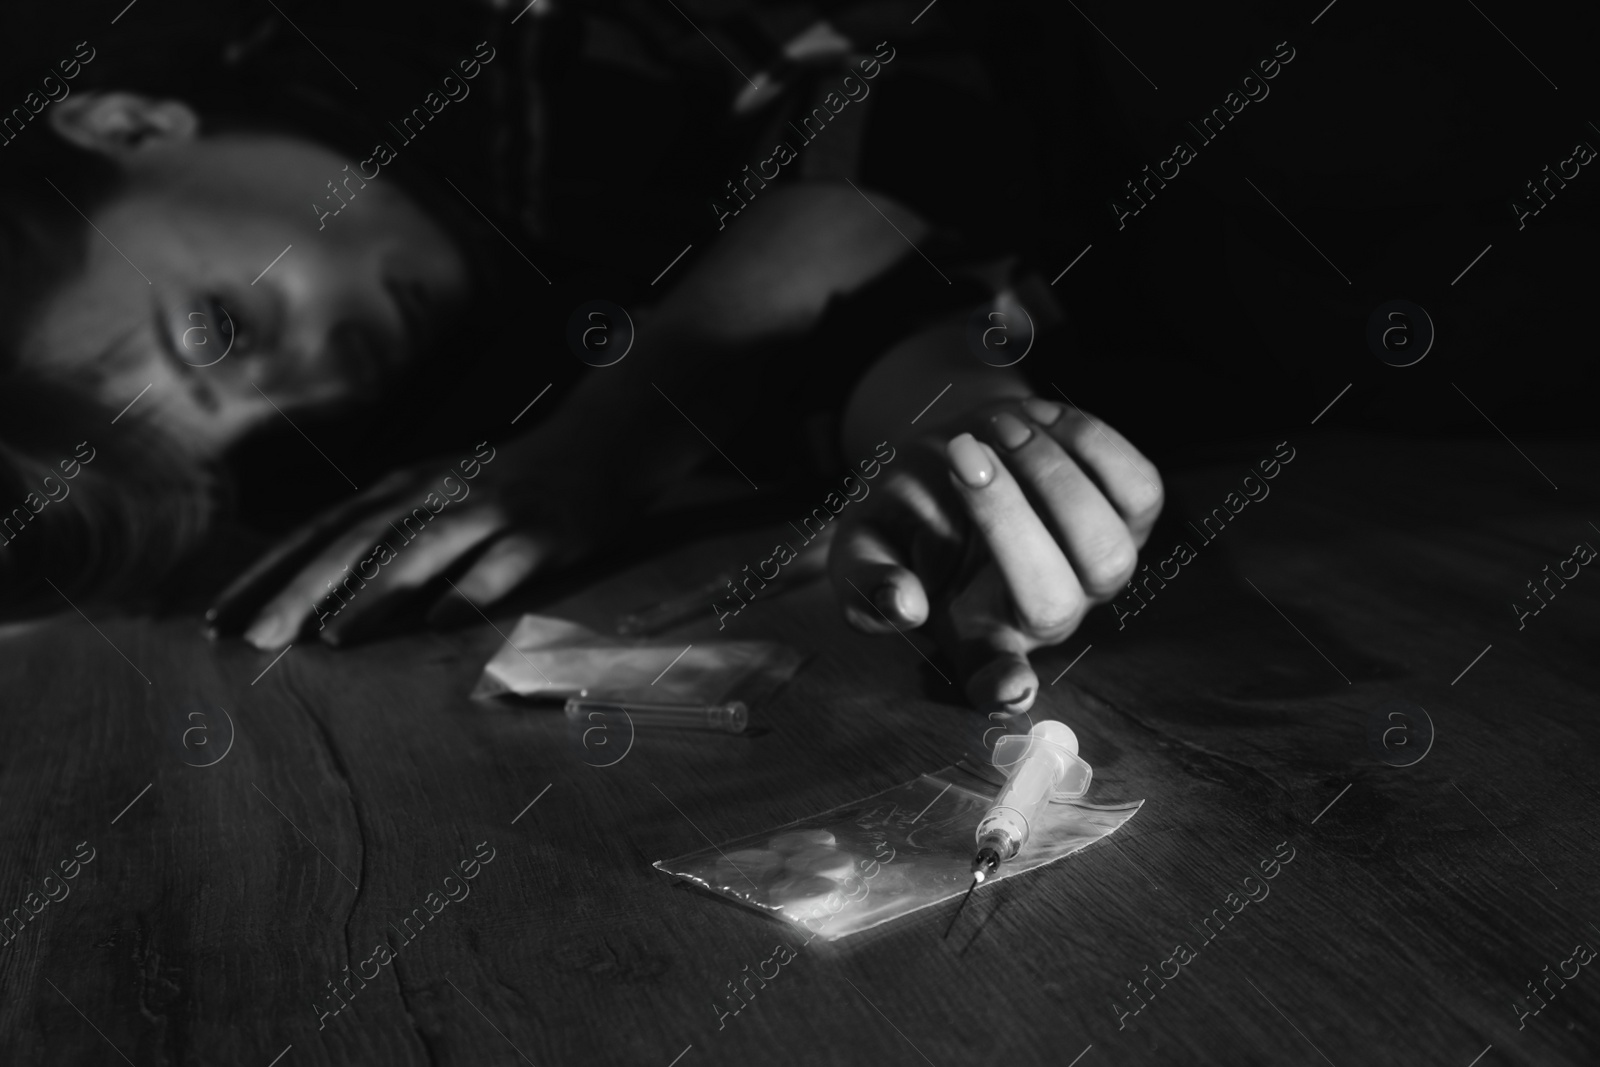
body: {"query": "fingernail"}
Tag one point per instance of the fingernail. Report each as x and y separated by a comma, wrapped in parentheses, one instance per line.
(1003, 685)
(264, 634)
(970, 461)
(1018, 703)
(1010, 431)
(887, 599)
(1044, 412)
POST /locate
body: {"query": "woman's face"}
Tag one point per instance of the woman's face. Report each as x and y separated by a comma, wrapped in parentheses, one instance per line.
(212, 279)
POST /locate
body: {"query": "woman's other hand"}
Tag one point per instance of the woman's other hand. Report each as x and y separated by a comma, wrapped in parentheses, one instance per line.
(466, 531)
(999, 532)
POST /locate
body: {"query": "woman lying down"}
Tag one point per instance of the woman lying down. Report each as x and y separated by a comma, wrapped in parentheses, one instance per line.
(145, 233)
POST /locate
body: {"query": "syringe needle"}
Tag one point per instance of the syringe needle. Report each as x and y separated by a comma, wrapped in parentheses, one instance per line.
(961, 907)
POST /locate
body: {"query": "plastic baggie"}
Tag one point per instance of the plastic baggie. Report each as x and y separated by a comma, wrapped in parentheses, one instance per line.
(865, 863)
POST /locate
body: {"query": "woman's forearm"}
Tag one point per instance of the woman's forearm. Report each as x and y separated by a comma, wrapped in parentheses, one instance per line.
(697, 356)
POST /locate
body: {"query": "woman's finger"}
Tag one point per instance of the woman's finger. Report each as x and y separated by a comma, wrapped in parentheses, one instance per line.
(990, 652)
(1129, 480)
(324, 586)
(899, 546)
(920, 517)
(233, 607)
(1003, 680)
(1046, 596)
(1096, 540)
(434, 551)
(877, 591)
(504, 565)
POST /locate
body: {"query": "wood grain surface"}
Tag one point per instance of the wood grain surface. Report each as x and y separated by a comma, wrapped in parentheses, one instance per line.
(1421, 900)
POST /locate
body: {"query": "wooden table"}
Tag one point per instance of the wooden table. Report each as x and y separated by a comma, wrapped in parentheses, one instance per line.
(1420, 901)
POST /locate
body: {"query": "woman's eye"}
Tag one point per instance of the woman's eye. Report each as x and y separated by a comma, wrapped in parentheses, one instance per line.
(208, 333)
(228, 327)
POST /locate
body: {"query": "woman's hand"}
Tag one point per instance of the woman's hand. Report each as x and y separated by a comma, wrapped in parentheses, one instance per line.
(496, 516)
(999, 532)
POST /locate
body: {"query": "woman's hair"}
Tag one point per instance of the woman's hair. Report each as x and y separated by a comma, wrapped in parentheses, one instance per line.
(124, 518)
(95, 505)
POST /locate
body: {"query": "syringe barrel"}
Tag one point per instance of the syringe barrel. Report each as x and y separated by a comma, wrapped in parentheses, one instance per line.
(1034, 781)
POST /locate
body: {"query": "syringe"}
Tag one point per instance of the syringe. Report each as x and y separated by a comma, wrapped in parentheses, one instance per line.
(1040, 766)
(730, 718)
